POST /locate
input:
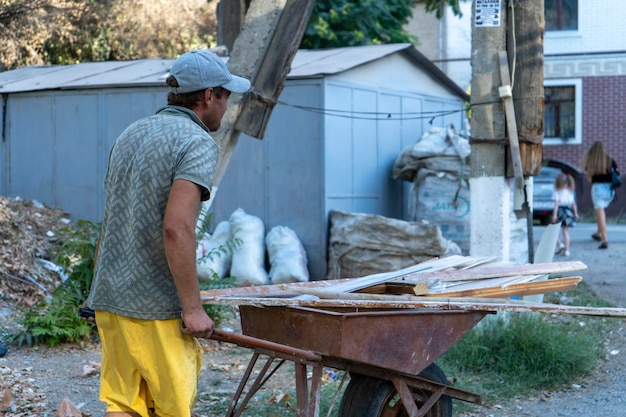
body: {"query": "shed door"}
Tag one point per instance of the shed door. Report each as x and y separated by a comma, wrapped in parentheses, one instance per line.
(75, 168)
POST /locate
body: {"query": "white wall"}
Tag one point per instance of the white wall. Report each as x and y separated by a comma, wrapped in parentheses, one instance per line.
(395, 72)
(446, 42)
(601, 28)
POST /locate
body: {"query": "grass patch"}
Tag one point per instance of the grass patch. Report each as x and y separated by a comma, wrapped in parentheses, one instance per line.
(526, 353)
(520, 352)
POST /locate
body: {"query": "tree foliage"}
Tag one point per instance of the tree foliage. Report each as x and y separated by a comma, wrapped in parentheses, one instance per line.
(37, 32)
(336, 23)
(20, 28)
(438, 7)
(70, 31)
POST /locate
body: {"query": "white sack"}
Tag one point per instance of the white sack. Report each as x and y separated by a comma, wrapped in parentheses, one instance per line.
(443, 199)
(438, 165)
(287, 256)
(248, 262)
(209, 258)
(435, 143)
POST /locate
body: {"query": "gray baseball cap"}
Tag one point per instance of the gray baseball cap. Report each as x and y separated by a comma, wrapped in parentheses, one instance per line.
(201, 69)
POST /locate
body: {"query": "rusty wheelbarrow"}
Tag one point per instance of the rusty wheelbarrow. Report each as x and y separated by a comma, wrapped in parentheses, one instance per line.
(389, 355)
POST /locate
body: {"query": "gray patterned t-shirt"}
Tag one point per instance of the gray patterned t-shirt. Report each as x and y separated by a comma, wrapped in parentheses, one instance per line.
(132, 277)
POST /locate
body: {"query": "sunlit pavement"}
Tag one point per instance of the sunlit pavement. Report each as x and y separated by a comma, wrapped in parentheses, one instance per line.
(583, 232)
(606, 268)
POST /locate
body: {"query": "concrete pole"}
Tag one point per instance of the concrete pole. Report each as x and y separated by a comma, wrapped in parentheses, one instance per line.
(230, 17)
(262, 52)
(525, 29)
(490, 191)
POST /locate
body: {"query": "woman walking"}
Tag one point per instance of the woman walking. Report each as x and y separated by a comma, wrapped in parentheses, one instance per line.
(597, 165)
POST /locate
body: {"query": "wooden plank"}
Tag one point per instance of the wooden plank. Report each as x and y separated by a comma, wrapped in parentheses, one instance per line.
(527, 288)
(506, 94)
(525, 42)
(476, 261)
(279, 290)
(500, 271)
(481, 273)
(478, 304)
(439, 286)
(274, 66)
(432, 265)
(420, 288)
(521, 289)
(268, 290)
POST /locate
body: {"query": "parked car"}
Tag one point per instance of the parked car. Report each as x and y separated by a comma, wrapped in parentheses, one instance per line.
(543, 190)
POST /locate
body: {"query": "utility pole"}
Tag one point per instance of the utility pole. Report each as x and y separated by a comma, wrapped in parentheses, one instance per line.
(507, 119)
(230, 17)
(263, 50)
(490, 193)
(526, 27)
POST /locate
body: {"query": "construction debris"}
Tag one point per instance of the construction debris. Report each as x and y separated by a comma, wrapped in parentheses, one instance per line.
(27, 230)
(363, 244)
(490, 286)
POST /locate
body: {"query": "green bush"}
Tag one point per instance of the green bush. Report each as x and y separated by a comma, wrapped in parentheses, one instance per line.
(57, 321)
(217, 312)
(75, 253)
(53, 323)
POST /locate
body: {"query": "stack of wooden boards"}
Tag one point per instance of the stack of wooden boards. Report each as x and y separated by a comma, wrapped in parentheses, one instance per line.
(455, 282)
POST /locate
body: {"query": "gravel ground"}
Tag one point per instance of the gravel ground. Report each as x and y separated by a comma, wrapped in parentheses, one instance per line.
(41, 377)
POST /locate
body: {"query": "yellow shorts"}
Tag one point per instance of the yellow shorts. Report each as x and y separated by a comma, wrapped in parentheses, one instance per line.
(149, 367)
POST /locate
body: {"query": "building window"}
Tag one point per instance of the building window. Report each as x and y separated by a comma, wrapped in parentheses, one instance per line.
(559, 108)
(562, 111)
(561, 14)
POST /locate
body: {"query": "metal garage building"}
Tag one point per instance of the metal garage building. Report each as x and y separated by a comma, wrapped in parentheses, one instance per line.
(343, 117)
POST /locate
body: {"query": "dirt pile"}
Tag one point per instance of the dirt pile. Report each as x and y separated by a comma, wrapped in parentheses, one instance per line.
(27, 231)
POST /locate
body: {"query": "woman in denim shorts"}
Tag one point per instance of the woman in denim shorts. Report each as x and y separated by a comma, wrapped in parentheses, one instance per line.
(597, 165)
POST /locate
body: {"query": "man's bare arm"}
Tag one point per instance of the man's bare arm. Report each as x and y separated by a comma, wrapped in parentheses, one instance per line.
(179, 239)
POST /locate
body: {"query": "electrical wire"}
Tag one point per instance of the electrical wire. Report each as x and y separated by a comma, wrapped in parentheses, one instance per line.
(366, 115)
(371, 115)
(374, 116)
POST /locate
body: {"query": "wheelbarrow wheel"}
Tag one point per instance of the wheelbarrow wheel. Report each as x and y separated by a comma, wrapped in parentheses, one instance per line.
(373, 397)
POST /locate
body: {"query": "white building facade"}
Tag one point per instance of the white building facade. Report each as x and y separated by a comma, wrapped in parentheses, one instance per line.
(584, 71)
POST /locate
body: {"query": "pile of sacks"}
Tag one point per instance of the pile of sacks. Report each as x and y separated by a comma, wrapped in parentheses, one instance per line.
(237, 248)
(438, 166)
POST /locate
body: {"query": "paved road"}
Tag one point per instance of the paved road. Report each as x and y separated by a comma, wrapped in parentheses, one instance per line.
(582, 232)
(606, 268)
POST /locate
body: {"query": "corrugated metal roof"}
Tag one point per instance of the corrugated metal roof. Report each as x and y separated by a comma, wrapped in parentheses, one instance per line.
(86, 75)
(152, 71)
(317, 62)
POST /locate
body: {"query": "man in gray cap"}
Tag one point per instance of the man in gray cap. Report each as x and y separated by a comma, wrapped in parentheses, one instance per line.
(145, 282)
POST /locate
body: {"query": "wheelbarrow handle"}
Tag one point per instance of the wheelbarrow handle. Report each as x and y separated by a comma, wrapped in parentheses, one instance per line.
(253, 342)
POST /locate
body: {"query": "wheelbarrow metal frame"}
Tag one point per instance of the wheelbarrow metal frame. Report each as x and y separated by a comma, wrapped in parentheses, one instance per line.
(308, 399)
